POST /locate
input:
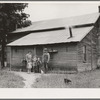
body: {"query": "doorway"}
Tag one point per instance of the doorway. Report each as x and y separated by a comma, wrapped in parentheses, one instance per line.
(39, 51)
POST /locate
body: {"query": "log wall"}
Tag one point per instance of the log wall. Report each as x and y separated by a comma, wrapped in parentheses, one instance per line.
(91, 43)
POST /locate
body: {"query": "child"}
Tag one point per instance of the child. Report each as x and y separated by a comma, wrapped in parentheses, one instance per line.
(29, 66)
(24, 63)
(38, 65)
(34, 63)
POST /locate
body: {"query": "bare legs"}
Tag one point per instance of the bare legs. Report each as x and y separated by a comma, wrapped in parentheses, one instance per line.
(28, 70)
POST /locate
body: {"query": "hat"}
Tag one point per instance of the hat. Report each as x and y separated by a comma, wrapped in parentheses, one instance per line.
(45, 49)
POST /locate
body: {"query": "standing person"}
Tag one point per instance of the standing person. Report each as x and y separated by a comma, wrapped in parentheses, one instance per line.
(29, 61)
(34, 63)
(45, 59)
(39, 63)
(24, 63)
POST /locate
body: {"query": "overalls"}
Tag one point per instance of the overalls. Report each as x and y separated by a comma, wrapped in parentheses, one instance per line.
(45, 62)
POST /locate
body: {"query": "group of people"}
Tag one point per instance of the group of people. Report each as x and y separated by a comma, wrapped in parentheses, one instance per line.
(37, 65)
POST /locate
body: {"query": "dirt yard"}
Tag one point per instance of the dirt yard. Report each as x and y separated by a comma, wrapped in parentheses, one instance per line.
(29, 79)
(90, 79)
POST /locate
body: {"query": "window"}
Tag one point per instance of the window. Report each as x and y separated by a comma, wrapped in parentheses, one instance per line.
(16, 50)
(84, 53)
(52, 52)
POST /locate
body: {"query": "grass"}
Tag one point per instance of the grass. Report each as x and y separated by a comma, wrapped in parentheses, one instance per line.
(10, 80)
(89, 79)
(49, 81)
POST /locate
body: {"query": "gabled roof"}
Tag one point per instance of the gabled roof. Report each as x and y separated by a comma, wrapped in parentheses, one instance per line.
(61, 22)
(57, 36)
(52, 37)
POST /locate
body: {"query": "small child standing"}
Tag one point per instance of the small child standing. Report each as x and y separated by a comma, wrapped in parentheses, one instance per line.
(39, 63)
(34, 63)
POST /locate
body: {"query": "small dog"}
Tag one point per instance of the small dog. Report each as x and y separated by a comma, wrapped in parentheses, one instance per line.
(67, 80)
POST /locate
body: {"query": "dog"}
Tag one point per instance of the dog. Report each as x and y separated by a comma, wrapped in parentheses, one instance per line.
(67, 81)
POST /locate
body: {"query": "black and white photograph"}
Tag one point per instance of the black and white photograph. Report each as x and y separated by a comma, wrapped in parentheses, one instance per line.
(50, 45)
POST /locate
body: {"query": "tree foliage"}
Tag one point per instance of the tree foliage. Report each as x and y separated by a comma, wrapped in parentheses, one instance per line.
(12, 15)
(26, 23)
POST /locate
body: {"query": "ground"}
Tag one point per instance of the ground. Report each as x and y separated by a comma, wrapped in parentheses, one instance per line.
(15, 79)
(29, 79)
(89, 79)
(10, 80)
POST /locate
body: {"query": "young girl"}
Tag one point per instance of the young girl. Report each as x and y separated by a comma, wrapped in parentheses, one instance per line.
(34, 63)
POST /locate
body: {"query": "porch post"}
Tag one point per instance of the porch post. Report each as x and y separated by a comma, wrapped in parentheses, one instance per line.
(10, 59)
(91, 54)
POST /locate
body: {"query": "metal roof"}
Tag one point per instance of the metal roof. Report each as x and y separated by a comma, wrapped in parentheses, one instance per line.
(56, 36)
(52, 37)
(62, 22)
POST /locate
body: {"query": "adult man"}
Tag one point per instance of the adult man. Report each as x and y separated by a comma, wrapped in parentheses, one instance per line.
(29, 61)
(45, 59)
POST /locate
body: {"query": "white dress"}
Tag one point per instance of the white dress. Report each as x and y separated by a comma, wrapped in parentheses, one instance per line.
(29, 65)
(29, 61)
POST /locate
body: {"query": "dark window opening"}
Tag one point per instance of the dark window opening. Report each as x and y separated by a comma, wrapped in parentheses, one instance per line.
(51, 56)
(52, 52)
(84, 53)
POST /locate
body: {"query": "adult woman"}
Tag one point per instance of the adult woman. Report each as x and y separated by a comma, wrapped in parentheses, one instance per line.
(29, 61)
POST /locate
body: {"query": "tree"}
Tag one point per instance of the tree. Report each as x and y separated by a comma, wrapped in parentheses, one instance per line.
(12, 16)
(26, 23)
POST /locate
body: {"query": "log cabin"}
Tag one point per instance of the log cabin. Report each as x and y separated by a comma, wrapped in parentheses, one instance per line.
(73, 43)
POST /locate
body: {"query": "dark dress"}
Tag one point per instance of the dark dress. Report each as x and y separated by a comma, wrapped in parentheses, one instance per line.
(38, 66)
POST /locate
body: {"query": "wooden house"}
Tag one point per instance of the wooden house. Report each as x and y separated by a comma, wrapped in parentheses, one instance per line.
(73, 43)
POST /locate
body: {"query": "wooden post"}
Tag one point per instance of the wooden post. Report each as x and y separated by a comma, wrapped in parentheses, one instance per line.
(91, 54)
(3, 53)
(10, 59)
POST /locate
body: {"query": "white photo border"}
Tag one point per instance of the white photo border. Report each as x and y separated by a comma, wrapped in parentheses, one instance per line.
(50, 93)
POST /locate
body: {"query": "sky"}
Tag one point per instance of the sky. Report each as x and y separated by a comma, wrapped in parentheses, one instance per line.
(50, 10)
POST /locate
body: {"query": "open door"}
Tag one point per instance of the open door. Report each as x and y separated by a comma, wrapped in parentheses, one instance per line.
(39, 51)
